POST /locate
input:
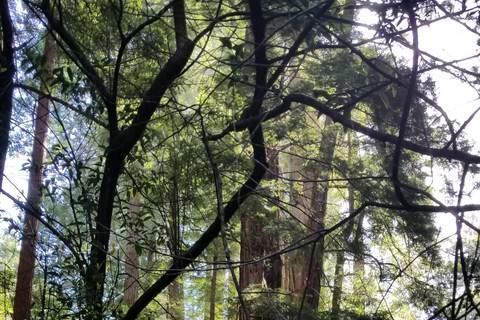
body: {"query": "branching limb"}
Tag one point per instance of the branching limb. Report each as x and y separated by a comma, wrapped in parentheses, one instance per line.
(62, 102)
(339, 118)
(29, 209)
(81, 60)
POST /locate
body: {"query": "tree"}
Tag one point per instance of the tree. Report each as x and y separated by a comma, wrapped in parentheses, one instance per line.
(26, 265)
(174, 101)
(6, 83)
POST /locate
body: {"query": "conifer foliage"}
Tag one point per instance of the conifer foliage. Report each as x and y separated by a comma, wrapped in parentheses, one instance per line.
(247, 159)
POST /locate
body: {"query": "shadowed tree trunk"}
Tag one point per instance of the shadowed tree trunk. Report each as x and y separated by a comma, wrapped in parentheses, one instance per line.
(26, 264)
(348, 14)
(251, 247)
(213, 289)
(359, 266)
(309, 206)
(256, 243)
(175, 289)
(6, 82)
(131, 285)
(273, 265)
(340, 261)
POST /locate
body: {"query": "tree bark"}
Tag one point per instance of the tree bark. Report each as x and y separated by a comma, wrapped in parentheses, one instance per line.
(251, 247)
(272, 265)
(26, 264)
(309, 206)
(175, 306)
(340, 261)
(213, 288)
(131, 285)
(256, 243)
(359, 266)
(7, 70)
(175, 289)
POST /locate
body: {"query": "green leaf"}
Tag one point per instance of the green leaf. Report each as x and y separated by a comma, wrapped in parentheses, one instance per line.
(226, 42)
(138, 249)
(385, 100)
(394, 91)
(321, 93)
(70, 73)
(239, 52)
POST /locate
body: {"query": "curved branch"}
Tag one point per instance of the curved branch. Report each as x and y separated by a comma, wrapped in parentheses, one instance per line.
(38, 215)
(62, 102)
(339, 118)
(83, 61)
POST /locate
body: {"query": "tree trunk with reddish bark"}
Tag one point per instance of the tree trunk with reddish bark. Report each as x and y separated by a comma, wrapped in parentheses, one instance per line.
(213, 288)
(255, 243)
(131, 284)
(26, 264)
(304, 271)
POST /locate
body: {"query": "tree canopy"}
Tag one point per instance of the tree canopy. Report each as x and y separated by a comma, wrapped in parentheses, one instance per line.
(273, 159)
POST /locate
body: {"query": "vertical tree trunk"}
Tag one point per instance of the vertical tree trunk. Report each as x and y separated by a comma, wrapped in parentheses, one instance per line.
(26, 264)
(255, 243)
(175, 290)
(213, 288)
(26, 267)
(340, 262)
(309, 206)
(347, 232)
(359, 266)
(131, 285)
(176, 308)
(251, 247)
(348, 14)
(6, 82)
(272, 265)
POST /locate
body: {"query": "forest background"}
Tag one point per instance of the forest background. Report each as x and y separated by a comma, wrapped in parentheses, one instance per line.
(273, 159)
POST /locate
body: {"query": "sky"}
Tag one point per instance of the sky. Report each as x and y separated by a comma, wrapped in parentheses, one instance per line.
(449, 41)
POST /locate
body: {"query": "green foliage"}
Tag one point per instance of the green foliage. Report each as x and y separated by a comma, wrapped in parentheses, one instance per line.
(319, 172)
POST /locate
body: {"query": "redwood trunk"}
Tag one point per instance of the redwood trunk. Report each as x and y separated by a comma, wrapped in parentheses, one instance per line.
(175, 301)
(251, 247)
(359, 266)
(213, 288)
(255, 243)
(26, 264)
(132, 262)
(309, 206)
(273, 265)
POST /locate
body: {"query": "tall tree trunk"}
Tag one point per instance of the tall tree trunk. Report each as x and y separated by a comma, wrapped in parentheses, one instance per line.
(213, 288)
(347, 233)
(251, 247)
(6, 82)
(359, 266)
(131, 285)
(272, 265)
(26, 264)
(309, 206)
(340, 262)
(348, 14)
(255, 243)
(176, 308)
(175, 290)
